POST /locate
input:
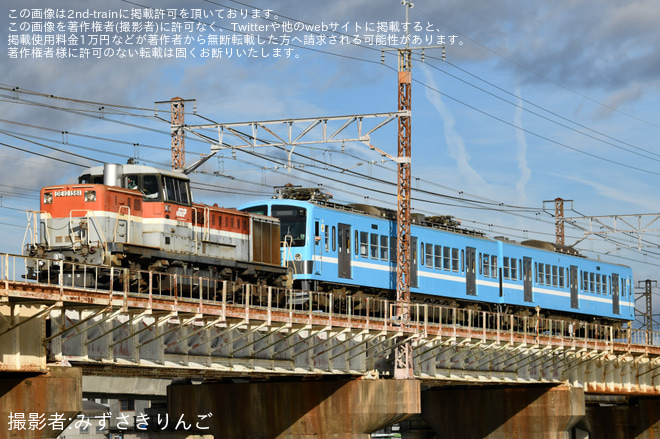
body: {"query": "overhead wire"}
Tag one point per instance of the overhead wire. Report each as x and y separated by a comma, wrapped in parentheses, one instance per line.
(545, 78)
(364, 61)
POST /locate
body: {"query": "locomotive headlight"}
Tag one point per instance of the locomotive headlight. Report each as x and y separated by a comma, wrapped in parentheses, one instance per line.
(297, 257)
(90, 195)
(48, 198)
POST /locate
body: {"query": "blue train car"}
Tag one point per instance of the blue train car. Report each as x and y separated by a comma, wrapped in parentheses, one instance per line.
(352, 248)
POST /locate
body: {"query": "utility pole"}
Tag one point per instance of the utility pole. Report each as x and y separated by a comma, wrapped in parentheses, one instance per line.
(646, 295)
(559, 221)
(178, 139)
(403, 365)
(403, 368)
(560, 237)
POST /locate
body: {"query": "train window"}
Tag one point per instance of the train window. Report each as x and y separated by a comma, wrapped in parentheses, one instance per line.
(446, 257)
(548, 274)
(540, 276)
(176, 190)
(561, 277)
(462, 260)
(334, 238)
(327, 239)
(357, 243)
(520, 269)
(293, 222)
(422, 259)
(131, 182)
(90, 179)
(364, 243)
(438, 257)
(384, 244)
(454, 259)
(374, 246)
(514, 269)
(493, 266)
(340, 242)
(555, 276)
(592, 286)
(505, 267)
(598, 290)
(150, 188)
(429, 255)
(393, 249)
(259, 210)
(615, 287)
(486, 266)
(603, 279)
(317, 229)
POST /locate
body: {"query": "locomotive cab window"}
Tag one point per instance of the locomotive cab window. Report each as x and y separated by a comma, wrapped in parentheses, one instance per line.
(149, 188)
(90, 179)
(176, 190)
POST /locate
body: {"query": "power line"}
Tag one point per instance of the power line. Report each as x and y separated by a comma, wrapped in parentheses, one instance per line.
(535, 73)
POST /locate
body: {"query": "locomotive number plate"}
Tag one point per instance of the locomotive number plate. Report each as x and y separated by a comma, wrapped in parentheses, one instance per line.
(75, 193)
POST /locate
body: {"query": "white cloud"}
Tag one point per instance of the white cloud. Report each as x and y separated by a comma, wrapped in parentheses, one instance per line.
(455, 143)
(521, 156)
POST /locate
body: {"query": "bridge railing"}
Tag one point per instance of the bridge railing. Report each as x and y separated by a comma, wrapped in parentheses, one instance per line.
(421, 318)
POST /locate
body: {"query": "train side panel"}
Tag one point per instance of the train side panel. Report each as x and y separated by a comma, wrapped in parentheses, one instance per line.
(358, 251)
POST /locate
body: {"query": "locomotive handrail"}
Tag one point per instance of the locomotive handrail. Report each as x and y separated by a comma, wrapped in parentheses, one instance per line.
(87, 217)
(205, 228)
(33, 224)
(128, 225)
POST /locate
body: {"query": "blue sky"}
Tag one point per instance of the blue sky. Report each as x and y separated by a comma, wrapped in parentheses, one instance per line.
(534, 101)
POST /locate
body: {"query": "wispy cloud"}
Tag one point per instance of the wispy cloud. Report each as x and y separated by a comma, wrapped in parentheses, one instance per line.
(455, 143)
(521, 156)
(615, 193)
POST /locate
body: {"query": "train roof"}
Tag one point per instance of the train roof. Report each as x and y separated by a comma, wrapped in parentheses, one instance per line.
(136, 169)
(320, 197)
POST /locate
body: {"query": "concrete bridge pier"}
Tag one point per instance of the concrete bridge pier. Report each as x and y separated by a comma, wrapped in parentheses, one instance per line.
(37, 399)
(639, 419)
(338, 409)
(503, 412)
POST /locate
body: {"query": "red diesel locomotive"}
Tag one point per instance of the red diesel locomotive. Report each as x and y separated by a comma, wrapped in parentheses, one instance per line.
(141, 217)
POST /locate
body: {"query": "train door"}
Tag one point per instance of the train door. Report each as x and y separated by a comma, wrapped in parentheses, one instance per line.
(527, 280)
(615, 294)
(470, 271)
(413, 262)
(344, 251)
(317, 257)
(574, 287)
